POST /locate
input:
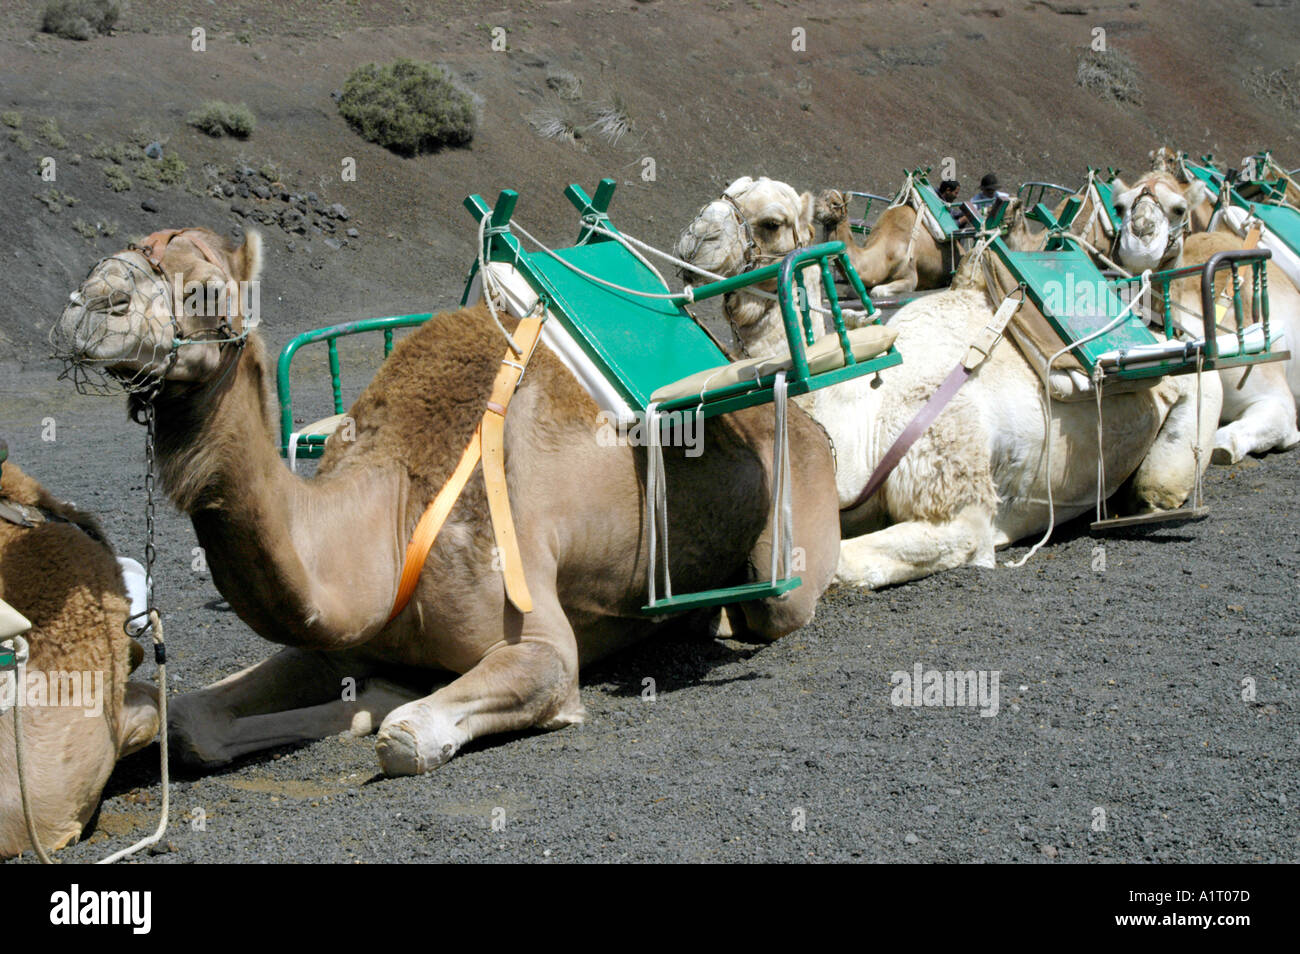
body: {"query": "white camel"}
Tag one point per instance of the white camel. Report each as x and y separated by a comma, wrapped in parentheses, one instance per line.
(977, 478)
(1259, 407)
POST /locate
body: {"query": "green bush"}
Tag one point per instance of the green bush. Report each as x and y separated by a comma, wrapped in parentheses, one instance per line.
(1111, 74)
(116, 179)
(407, 107)
(218, 119)
(81, 19)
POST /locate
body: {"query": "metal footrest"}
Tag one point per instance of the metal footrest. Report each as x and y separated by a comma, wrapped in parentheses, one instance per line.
(722, 597)
(1182, 515)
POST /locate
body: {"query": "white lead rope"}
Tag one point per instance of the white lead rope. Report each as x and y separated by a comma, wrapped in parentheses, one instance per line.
(1047, 413)
(782, 519)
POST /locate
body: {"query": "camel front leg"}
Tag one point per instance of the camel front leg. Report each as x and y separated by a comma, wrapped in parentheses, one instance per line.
(294, 696)
(1267, 424)
(897, 287)
(523, 684)
(916, 548)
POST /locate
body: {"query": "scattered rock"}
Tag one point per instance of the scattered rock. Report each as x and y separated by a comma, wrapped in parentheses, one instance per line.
(1049, 850)
(154, 150)
(911, 839)
(149, 205)
(353, 233)
(227, 189)
(334, 243)
(261, 191)
(339, 212)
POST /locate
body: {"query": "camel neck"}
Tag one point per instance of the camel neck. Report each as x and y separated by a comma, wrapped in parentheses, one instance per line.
(290, 556)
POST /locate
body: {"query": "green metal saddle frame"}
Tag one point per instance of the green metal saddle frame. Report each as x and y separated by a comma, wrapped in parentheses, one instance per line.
(1265, 199)
(641, 344)
(1051, 277)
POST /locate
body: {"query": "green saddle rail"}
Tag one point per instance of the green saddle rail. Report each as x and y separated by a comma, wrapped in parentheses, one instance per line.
(1261, 197)
(313, 444)
(1078, 300)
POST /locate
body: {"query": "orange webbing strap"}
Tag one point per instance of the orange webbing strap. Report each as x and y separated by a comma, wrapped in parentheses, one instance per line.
(487, 443)
(1225, 297)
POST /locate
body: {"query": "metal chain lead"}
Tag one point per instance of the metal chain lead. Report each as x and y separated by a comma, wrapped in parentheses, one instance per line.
(150, 552)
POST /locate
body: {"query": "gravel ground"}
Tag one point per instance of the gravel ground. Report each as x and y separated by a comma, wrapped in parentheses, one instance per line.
(1120, 690)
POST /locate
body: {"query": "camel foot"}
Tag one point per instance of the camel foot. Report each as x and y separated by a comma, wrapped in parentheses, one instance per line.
(417, 738)
(1223, 456)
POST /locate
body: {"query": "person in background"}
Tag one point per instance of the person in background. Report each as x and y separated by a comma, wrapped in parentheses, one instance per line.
(988, 193)
(949, 190)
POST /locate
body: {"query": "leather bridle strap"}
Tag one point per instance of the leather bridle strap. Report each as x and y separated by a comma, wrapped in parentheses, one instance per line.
(487, 444)
(976, 354)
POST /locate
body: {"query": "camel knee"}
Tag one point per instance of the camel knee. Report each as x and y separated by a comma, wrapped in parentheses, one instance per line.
(914, 549)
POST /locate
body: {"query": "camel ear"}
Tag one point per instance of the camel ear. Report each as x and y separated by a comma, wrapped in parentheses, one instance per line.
(738, 186)
(807, 205)
(1123, 195)
(248, 258)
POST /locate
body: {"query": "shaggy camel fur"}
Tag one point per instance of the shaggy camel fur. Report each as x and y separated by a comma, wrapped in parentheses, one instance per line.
(314, 564)
(977, 479)
(883, 262)
(63, 577)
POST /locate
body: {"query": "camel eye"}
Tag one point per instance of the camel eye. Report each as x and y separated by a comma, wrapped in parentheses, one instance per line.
(1180, 208)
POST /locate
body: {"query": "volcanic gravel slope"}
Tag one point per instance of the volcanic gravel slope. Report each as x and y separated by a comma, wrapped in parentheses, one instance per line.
(1132, 677)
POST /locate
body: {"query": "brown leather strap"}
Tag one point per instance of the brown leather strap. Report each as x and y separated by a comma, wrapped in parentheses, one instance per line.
(488, 444)
(915, 428)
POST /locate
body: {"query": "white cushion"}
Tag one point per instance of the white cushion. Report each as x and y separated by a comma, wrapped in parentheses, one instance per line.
(824, 354)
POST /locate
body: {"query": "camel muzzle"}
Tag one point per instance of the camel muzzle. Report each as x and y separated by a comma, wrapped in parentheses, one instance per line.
(104, 337)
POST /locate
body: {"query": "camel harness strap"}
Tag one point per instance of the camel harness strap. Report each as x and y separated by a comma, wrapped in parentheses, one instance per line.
(487, 444)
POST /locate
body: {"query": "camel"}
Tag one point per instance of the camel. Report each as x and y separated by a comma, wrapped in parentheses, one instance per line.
(314, 564)
(899, 255)
(976, 479)
(1259, 404)
(1200, 207)
(81, 714)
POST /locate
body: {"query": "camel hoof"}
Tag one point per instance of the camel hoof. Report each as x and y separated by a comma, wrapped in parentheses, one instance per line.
(1222, 456)
(400, 752)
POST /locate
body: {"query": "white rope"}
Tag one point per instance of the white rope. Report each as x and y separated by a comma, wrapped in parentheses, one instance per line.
(155, 625)
(687, 294)
(656, 501)
(490, 286)
(22, 653)
(782, 517)
(1047, 413)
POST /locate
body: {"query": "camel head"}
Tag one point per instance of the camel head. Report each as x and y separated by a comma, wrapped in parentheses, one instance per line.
(161, 310)
(754, 222)
(1165, 159)
(830, 209)
(1156, 216)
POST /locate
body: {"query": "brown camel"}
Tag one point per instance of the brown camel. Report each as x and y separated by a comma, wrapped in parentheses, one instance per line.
(314, 564)
(80, 714)
(899, 255)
